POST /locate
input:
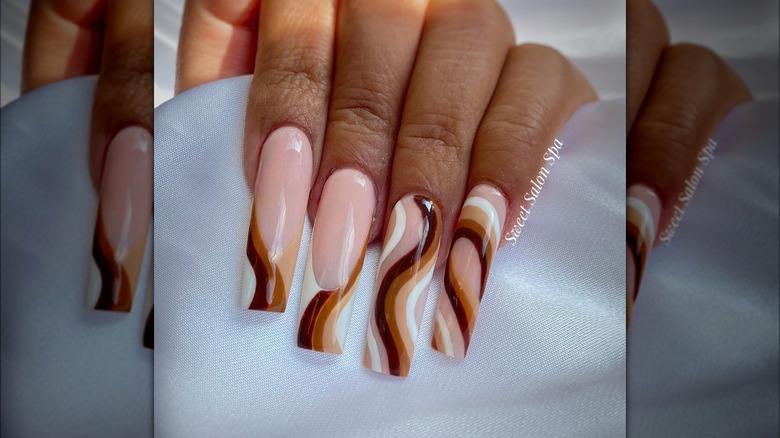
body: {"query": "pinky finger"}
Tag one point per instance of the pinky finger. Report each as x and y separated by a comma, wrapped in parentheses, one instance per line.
(538, 91)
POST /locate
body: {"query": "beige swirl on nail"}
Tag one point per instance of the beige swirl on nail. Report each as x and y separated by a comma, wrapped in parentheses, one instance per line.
(405, 270)
(474, 245)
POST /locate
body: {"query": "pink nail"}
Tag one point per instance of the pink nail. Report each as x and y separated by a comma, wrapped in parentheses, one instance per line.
(124, 215)
(474, 245)
(335, 260)
(281, 195)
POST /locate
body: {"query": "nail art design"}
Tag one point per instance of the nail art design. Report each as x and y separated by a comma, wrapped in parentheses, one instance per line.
(474, 245)
(123, 218)
(149, 324)
(405, 270)
(643, 210)
(281, 195)
(335, 260)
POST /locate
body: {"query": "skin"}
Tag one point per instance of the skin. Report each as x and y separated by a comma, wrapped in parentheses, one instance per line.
(409, 92)
(113, 38)
(677, 96)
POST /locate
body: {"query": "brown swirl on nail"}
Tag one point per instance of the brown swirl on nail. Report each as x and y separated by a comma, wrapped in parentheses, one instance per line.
(118, 278)
(271, 278)
(406, 267)
(320, 327)
(474, 245)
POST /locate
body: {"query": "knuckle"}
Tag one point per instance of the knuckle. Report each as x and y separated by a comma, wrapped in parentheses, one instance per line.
(364, 109)
(297, 68)
(432, 133)
(520, 131)
(693, 54)
(531, 52)
(480, 16)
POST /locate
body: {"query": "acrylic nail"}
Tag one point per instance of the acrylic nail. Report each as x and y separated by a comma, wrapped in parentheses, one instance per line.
(474, 244)
(338, 245)
(281, 194)
(643, 211)
(123, 219)
(406, 267)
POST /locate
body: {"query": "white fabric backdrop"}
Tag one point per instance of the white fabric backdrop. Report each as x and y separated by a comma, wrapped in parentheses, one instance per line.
(547, 357)
(66, 370)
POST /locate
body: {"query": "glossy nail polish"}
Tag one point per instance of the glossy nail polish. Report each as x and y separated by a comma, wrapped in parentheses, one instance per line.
(335, 260)
(474, 245)
(281, 195)
(123, 218)
(643, 211)
(406, 267)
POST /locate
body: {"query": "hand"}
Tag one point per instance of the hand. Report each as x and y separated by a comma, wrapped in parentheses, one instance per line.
(381, 116)
(112, 38)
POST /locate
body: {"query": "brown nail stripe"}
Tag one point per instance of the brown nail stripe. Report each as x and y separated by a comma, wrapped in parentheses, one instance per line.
(639, 241)
(271, 279)
(117, 280)
(149, 330)
(479, 225)
(391, 340)
(317, 330)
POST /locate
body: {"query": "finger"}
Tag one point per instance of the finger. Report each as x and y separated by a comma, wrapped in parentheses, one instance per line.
(692, 91)
(285, 123)
(121, 154)
(376, 46)
(513, 152)
(63, 40)
(218, 40)
(645, 41)
(461, 53)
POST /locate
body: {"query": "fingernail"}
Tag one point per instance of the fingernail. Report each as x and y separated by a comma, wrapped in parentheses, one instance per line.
(149, 321)
(405, 269)
(281, 194)
(474, 245)
(338, 245)
(643, 210)
(123, 218)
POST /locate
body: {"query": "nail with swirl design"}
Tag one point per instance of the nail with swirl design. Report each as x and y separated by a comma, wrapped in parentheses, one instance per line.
(123, 221)
(338, 246)
(405, 270)
(643, 211)
(474, 245)
(281, 194)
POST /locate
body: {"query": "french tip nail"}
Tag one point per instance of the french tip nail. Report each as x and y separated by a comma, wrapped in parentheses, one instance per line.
(335, 260)
(276, 224)
(406, 267)
(474, 245)
(123, 221)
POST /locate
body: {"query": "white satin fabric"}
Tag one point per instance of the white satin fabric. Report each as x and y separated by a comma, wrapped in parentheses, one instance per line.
(547, 356)
(703, 345)
(66, 370)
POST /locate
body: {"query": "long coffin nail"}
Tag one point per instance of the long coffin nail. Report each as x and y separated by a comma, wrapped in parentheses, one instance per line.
(281, 194)
(338, 245)
(643, 210)
(123, 218)
(405, 269)
(474, 244)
